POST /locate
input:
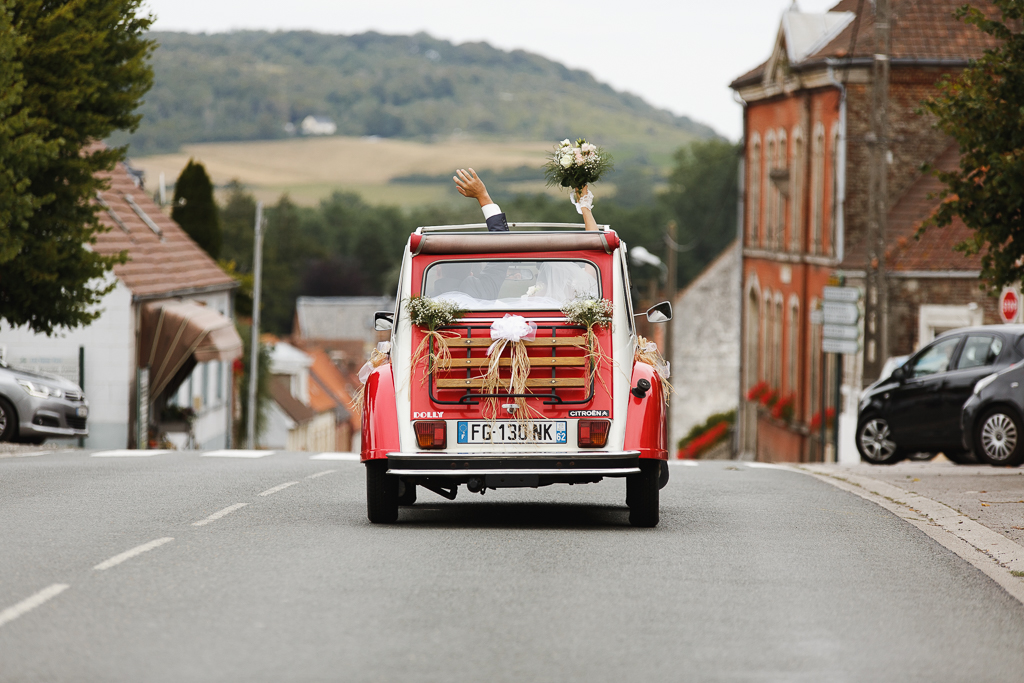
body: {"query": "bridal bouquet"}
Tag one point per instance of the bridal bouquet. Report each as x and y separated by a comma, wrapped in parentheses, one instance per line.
(575, 165)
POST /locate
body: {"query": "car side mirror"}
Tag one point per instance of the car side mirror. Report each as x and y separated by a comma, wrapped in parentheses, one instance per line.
(660, 313)
(900, 373)
(383, 320)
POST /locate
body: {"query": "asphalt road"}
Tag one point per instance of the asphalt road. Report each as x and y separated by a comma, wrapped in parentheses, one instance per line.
(753, 574)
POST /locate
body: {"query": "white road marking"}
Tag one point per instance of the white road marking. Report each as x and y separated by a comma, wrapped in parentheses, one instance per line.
(220, 513)
(279, 487)
(320, 474)
(31, 602)
(684, 463)
(34, 454)
(765, 466)
(129, 554)
(128, 453)
(237, 454)
(335, 456)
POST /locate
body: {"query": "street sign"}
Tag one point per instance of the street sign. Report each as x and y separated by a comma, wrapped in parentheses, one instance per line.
(1009, 305)
(850, 295)
(840, 332)
(836, 313)
(839, 346)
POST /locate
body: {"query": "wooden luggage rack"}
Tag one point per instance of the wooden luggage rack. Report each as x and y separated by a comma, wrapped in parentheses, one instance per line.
(472, 380)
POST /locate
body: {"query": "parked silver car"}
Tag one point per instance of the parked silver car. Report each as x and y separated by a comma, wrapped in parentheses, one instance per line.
(34, 406)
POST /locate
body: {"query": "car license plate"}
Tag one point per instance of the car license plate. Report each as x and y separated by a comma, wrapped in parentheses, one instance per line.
(538, 431)
(82, 412)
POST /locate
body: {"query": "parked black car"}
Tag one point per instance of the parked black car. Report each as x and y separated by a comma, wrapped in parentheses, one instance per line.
(992, 421)
(918, 407)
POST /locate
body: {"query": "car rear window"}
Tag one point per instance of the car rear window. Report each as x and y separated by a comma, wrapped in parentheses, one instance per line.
(503, 284)
(979, 351)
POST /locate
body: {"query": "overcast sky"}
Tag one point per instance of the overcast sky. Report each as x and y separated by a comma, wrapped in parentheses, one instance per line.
(676, 55)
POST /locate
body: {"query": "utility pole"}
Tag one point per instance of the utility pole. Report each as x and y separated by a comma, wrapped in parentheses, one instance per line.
(877, 303)
(254, 346)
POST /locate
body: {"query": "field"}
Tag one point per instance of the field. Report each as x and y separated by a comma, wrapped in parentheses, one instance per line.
(310, 169)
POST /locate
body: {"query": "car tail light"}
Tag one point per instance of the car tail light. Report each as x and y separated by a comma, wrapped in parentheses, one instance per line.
(431, 433)
(592, 433)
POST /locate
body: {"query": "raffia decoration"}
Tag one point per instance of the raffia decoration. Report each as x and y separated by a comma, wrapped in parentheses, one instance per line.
(591, 313)
(510, 332)
(430, 315)
(647, 352)
(381, 355)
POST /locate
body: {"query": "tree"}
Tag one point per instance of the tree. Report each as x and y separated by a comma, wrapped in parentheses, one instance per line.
(981, 109)
(703, 188)
(195, 209)
(77, 70)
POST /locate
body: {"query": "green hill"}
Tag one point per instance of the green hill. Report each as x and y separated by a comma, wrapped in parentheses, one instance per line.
(248, 85)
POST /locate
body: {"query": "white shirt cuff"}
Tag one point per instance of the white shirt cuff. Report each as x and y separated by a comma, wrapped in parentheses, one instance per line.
(490, 210)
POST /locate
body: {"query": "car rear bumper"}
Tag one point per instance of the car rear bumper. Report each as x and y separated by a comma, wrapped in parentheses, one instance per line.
(559, 466)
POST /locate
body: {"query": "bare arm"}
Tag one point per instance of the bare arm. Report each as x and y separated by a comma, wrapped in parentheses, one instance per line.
(468, 183)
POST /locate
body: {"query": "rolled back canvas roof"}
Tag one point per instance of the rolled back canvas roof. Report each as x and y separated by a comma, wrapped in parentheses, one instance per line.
(512, 242)
(175, 332)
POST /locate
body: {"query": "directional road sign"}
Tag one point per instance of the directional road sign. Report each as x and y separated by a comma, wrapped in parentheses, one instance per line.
(839, 346)
(850, 295)
(840, 332)
(836, 313)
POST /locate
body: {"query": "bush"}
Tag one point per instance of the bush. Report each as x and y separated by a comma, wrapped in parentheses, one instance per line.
(704, 437)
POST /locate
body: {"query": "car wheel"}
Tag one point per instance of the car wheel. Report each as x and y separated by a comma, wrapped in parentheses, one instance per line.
(8, 421)
(381, 493)
(642, 493)
(406, 493)
(874, 442)
(999, 439)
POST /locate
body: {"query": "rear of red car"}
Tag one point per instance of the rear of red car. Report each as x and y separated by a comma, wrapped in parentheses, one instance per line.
(587, 411)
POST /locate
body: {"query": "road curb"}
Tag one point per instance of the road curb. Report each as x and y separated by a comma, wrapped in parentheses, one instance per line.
(989, 551)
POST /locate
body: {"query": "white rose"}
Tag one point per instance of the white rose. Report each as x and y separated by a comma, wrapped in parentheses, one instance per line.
(587, 147)
(565, 143)
(566, 160)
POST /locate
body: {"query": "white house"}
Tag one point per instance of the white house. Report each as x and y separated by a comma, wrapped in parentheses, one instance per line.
(318, 125)
(165, 331)
(293, 422)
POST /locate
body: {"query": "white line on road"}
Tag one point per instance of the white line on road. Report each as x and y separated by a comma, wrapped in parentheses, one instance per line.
(220, 513)
(684, 463)
(766, 466)
(237, 454)
(320, 474)
(335, 456)
(279, 487)
(128, 453)
(129, 554)
(31, 602)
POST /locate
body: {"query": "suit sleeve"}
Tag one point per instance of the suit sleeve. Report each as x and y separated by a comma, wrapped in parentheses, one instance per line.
(497, 223)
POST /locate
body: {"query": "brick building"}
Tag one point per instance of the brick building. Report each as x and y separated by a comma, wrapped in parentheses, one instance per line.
(805, 209)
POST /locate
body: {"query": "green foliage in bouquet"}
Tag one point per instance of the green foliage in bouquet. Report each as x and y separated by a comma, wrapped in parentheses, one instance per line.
(576, 165)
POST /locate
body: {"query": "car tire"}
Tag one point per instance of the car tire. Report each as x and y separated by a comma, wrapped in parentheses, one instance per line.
(999, 438)
(8, 421)
(406, 493)
(873, 442)
(381, 493)
(960, 457)
(642, 493)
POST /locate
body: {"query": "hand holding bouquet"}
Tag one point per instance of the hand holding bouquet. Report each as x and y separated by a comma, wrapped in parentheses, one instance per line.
(576, 165)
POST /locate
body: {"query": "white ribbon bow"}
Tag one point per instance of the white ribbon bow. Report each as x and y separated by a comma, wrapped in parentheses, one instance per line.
(384, 348)
(512, 328)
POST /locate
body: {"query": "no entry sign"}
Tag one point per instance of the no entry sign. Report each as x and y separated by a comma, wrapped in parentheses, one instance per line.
(1009, 305)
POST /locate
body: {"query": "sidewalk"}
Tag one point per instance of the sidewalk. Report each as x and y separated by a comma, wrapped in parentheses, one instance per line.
(991, 496)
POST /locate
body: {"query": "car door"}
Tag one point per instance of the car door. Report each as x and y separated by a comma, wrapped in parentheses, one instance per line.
(979, 356)
(915, 407)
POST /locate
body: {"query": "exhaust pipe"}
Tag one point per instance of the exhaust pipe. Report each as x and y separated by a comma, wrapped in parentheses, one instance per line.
(475, 484)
